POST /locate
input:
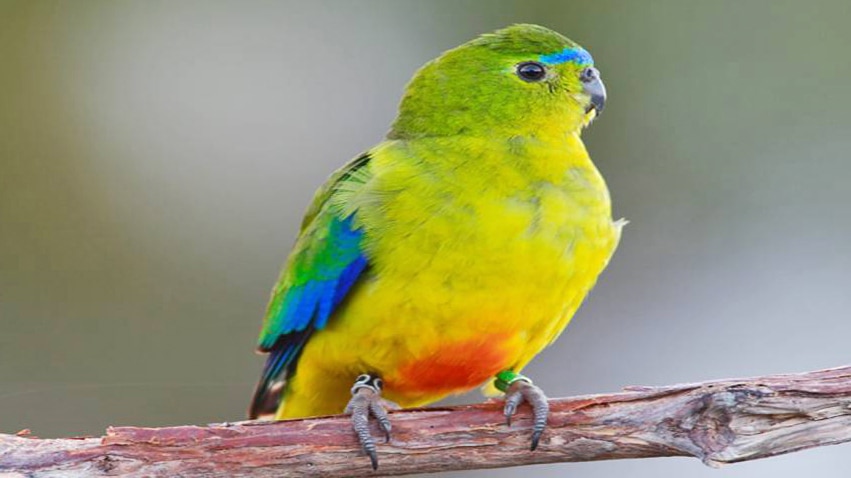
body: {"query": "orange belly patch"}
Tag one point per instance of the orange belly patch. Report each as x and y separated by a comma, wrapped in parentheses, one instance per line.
(451, 368)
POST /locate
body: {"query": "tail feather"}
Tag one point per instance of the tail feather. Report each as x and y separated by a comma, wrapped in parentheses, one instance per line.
(280, 365)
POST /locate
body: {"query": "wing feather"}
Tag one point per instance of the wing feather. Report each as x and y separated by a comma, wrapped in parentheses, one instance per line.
(326, 262)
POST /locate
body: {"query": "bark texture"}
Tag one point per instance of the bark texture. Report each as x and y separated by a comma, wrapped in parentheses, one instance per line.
(717, 422)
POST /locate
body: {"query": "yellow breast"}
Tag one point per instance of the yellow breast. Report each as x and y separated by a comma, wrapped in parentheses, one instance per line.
(479, 258)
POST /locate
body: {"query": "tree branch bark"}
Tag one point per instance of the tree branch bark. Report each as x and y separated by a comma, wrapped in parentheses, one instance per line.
(718, 422)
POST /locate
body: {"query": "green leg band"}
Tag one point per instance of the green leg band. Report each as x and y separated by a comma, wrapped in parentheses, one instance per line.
(506, 378)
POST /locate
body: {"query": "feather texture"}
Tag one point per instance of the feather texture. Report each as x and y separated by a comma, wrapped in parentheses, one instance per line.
(324, 265)
(458, 248)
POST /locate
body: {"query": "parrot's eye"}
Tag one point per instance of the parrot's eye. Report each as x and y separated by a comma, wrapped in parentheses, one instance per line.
(531, 71)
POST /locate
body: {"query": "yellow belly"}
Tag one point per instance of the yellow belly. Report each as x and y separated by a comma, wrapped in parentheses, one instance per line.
(479, 284)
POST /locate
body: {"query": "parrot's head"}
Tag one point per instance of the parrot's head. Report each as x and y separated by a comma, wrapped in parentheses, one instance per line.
(524, 80)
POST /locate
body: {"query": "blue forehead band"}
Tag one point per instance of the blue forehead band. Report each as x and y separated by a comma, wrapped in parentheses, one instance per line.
(577, 55)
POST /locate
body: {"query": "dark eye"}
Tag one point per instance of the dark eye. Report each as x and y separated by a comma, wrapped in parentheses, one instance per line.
(531, 71)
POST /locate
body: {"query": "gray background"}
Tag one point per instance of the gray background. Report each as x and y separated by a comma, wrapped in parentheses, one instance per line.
(155, 158)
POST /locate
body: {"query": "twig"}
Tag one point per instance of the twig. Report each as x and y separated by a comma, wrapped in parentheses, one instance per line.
(718, 422)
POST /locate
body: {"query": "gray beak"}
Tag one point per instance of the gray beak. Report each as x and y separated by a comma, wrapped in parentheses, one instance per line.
(594, 88)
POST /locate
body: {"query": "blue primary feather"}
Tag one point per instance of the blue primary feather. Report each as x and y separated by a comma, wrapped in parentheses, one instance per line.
(326, 263)
(333, 266)
(346, 281)
(302, 312)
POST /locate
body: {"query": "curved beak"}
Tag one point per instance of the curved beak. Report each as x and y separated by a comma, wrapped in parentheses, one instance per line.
(594, 88)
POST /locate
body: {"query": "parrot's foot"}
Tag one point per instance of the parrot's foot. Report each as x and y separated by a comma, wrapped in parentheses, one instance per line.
(518, 389)
(366, 400)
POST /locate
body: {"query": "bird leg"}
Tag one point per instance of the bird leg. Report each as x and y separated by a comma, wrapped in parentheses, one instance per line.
(366, 400)
(519, 389)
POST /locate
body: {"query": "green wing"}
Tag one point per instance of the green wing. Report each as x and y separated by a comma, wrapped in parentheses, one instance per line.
(325, 263)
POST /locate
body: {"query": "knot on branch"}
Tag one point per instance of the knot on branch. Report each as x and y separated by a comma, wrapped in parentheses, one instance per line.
(708, 423)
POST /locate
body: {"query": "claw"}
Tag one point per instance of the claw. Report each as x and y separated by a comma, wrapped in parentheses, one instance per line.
(512, 400)
(380, 413)
(366, 400)
(536, 437)
(519, 389)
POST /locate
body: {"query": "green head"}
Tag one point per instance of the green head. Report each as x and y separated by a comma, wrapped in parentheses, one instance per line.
(524, 80)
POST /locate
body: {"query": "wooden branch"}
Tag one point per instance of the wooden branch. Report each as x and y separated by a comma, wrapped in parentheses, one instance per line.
(718, 422)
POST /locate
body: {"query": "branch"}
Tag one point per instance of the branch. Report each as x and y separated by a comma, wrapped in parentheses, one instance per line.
(718, 422)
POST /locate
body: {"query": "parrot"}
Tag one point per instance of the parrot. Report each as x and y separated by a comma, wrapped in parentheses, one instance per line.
(447, 256)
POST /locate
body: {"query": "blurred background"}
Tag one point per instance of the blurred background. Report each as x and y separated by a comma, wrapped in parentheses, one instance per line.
(156, 157)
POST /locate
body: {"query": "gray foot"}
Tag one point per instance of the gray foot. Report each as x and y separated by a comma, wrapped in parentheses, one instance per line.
(522, 390)
(366, 400)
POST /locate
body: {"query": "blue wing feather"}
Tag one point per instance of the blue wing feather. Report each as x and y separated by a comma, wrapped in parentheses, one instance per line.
(302, 314)
(313, 301)
(302, 308)
(341, 287)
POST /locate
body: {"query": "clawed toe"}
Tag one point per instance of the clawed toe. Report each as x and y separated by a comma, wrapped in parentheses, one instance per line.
(519, 389)
(366, 400)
